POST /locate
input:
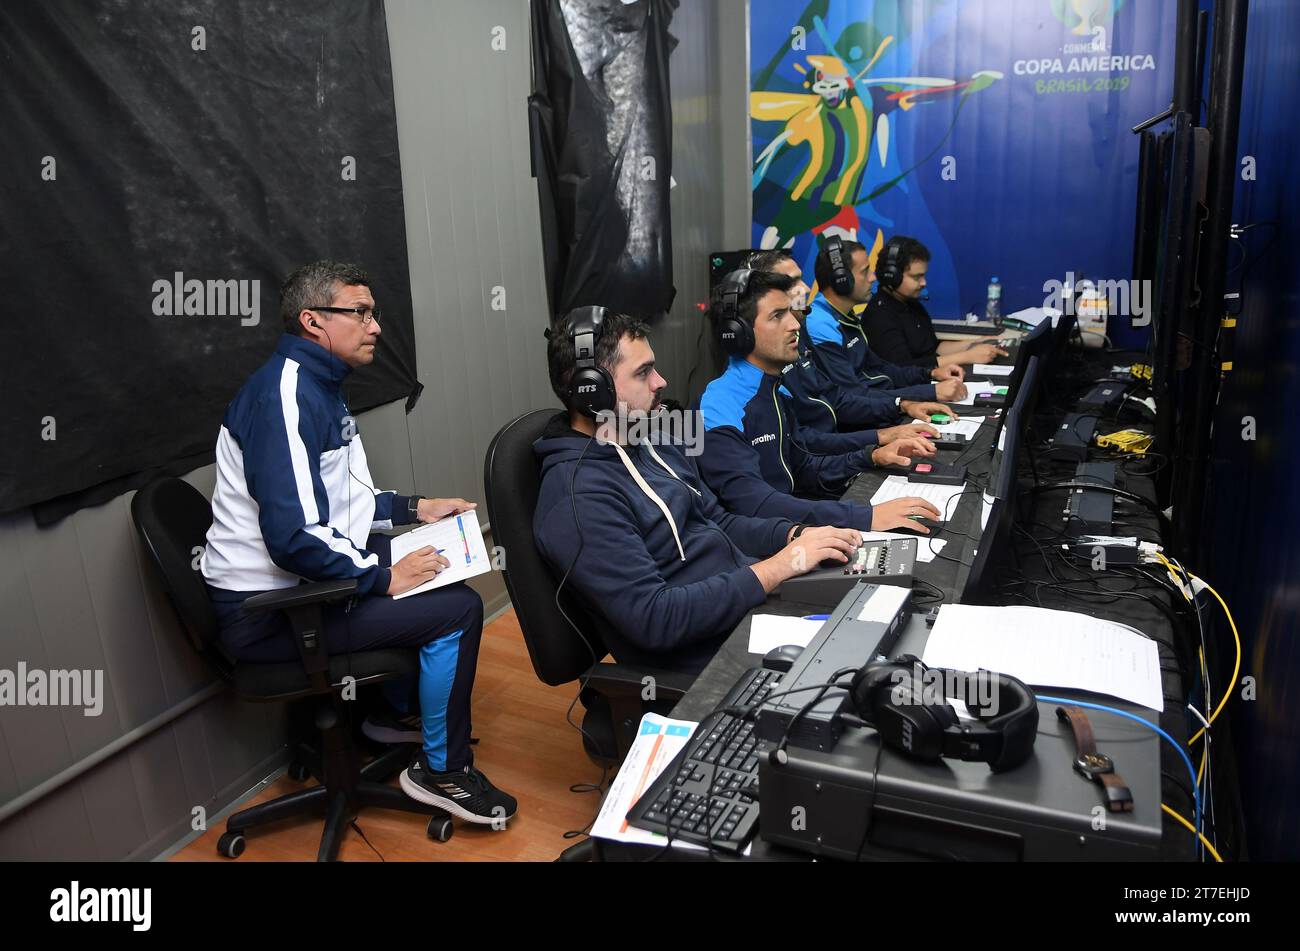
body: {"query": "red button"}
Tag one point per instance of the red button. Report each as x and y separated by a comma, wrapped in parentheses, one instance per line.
(923, 467)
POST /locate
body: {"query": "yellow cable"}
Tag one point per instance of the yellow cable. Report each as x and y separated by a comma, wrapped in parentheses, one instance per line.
(1191, 828)
(1236, 667)
(1205, 756)
(1236, 638)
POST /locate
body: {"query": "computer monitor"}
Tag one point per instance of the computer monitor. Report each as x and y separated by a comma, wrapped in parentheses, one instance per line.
(1036, 345)
(998, 504)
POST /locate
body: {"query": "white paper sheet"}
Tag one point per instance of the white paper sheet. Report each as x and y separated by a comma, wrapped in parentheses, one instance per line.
(967, 426)
(768, 631)
(460, 540)
(990, 369)
(897, 487)
(1046, 648)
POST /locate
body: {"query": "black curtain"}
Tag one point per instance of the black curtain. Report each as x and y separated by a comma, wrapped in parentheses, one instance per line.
(601, 121)
(152, 144)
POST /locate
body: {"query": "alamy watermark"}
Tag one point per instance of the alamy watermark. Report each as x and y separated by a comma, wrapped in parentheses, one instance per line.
(33, 687)
(1126, 298)
(631, 427)
(179, 297)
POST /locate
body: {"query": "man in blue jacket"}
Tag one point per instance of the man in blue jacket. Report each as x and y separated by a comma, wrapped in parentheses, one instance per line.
(629, 523)
(295, 501)
(756, 456)
(820, 402)
(840, 342)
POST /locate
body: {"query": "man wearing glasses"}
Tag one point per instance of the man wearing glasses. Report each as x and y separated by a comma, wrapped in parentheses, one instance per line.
(295, 500)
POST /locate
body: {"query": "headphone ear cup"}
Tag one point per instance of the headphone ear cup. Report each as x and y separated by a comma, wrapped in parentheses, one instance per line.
(592, 390)
(1016, 721)
(735, 336)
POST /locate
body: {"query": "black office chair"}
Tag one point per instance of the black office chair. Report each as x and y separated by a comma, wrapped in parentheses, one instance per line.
(611, 692)
(172, 518)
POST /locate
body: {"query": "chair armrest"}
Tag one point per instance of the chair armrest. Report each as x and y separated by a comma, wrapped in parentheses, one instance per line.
(619, 680)
(302, 605)
(315, 592)
(625, 689)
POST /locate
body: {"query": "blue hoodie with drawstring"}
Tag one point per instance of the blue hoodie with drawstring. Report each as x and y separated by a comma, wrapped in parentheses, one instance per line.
(651, 551)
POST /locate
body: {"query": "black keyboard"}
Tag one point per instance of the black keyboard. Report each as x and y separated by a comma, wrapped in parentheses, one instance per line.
(709, 792)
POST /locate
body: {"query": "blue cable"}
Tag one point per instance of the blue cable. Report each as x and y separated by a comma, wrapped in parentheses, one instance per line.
(1196, 789)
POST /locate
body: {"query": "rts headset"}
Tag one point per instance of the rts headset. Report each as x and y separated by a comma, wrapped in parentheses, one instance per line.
(891, 697)
(888, 272)
(734, 335)
(841, 275)
(591, 388)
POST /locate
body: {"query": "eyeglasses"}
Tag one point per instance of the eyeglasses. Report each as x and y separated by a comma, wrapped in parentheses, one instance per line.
(364, 314)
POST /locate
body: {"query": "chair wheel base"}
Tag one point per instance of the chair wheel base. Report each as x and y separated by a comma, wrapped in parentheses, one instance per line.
(231, 845)
(440, 827)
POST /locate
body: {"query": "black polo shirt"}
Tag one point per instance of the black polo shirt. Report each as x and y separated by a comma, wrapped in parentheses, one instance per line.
(900, 331)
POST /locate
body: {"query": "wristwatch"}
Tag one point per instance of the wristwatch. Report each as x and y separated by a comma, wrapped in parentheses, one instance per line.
(1097, 767)
(413, 506)
(798, 530)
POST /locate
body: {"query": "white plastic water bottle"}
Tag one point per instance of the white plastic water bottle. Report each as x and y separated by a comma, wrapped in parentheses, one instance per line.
(993, 308)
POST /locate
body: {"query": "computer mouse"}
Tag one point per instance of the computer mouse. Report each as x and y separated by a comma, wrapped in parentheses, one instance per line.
(781, 658)
(934, 527)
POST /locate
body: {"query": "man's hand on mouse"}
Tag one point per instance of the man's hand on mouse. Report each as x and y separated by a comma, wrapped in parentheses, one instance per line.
(923, 410)
(891, 434)
(899, 514)
(901, 451)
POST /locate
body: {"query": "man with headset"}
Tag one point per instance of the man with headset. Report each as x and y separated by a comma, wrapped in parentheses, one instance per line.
(756, 456)
(627, 521)
(295, 501)
(819, 402)
(844, 276)
(897, 323)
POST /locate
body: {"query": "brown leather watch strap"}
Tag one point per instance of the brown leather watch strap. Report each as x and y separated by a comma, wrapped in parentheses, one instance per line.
(1095, 766)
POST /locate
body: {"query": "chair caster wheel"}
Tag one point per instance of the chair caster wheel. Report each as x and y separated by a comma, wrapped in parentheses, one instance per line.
(231, 845)
(440, 828)
(298, 772)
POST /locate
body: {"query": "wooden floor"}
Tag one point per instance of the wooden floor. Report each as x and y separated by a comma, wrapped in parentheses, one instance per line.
(525, 748)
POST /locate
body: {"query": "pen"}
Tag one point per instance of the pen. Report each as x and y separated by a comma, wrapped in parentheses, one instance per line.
(817, 617)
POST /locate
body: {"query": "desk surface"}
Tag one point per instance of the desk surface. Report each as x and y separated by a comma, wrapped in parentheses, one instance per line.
(944, 573)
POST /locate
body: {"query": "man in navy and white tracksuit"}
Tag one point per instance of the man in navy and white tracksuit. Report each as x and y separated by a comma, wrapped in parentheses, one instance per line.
(295, 501)
(636, 533)
(841, 344)
(822, 404)
(756, 457)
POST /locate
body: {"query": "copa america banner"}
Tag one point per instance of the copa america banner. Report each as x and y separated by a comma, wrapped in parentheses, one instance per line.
(165, 166)
(995, 131)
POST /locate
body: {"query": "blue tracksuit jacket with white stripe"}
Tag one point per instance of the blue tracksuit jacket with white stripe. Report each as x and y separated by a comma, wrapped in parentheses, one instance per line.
(845, 357)
(759, 460)
(294, 497)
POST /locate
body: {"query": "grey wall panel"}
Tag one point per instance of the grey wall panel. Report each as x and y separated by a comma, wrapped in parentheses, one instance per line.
(132, 675)
(55, 568)
(60, 825)
(160, 782)
(113, 809)
(82, 594)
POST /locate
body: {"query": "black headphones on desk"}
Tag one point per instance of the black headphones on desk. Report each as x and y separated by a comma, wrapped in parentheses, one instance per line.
(734, 335)
(841, 275)
(591, 388)
(895, 699)
(888, 273)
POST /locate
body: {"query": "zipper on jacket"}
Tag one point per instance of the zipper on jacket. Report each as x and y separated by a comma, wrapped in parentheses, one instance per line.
(780, 439)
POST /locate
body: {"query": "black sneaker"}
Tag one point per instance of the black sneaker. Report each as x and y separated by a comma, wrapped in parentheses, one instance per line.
(389, 726)
(465, 793)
